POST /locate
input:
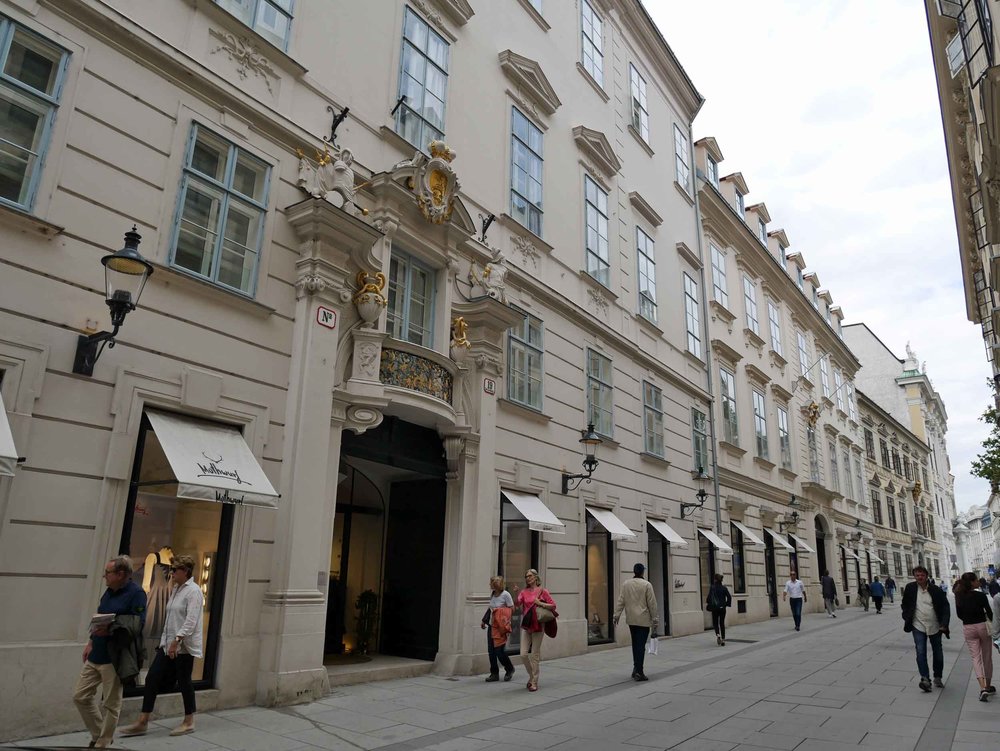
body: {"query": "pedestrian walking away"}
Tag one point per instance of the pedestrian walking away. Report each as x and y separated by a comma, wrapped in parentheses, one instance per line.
(180, 645)
(105, 663)
(829, 587)
(864, 595)
(878, 593)
(795, 593)
(638, 602)
(972, 606)
(716, 603)
(497, 622)
(995, 627)
(535, 623)
(890, 588)
(926, 614)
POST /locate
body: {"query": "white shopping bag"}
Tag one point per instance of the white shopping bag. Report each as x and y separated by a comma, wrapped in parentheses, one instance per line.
(653, 646)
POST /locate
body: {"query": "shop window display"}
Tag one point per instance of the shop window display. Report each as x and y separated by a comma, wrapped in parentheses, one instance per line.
(599, 610)
(518, 553)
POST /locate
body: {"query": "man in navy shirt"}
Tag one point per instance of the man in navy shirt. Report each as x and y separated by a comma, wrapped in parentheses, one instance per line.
(122, 597)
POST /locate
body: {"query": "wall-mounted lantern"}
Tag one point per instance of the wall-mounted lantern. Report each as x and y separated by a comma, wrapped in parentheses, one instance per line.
(590, 441)
(702, 495)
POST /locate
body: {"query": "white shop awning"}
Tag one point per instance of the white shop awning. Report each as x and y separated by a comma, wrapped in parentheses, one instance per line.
(713, 538)
(850, 553)
(540, 518)
(780, 539)
(612, 523)
(874, 556)
(803, 544)
(748, 534)
(667, 532)
(8, 454)
(212, 462)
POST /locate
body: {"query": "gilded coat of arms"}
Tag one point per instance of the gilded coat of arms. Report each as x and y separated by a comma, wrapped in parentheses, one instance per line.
(435, 183)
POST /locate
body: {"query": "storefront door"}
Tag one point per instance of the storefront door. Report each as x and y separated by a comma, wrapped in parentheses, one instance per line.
(771, 575)
(599, 562)
(706, 566)
(659, 577)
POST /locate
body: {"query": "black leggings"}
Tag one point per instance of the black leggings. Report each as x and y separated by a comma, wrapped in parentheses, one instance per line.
(162, 674)
(719, 622)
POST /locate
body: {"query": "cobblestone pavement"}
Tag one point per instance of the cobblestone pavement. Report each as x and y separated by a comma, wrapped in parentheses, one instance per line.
(837, 684)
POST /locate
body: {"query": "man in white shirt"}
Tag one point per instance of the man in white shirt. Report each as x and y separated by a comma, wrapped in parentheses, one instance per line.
(638, 602)
(795, 593)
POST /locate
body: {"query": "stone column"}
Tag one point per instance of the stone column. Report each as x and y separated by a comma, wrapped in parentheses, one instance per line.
(293, 618)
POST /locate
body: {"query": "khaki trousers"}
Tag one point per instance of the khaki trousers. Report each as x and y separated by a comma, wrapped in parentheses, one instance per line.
(102, 728)
(531, 652)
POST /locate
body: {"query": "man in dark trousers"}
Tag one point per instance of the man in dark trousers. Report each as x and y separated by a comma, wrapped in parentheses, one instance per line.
(829, 593)
(890, 588)
(926, 614)
(639, 603)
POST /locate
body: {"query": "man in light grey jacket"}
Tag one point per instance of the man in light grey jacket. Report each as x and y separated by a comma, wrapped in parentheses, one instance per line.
(639, 604)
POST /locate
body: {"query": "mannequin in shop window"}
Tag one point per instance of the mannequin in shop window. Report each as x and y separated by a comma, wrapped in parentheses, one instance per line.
(156, 584)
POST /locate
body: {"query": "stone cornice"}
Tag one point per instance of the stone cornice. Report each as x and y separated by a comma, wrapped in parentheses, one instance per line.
(528, 76)
(595, 145)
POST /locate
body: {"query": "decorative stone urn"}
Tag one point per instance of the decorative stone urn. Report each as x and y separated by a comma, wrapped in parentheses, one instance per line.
(369, 299)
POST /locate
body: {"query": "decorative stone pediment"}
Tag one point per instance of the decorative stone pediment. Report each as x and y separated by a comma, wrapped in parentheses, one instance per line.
(595, 145)
(457, 11)
(528, 76)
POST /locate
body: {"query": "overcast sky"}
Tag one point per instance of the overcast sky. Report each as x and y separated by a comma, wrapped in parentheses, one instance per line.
(830, 111)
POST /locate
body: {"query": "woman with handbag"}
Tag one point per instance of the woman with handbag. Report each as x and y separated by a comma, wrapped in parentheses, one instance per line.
(538, 613)
(496, 621)
(716, 603)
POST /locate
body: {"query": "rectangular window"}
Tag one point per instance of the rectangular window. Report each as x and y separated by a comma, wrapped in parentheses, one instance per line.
(813, 453)
(719, 287)
(741, 205)
(883, 567)
(869, 444)
(784, 439)
(600, 393)
(727, 395)
(909, 564)
(798, 277)
(596, 208)
(903, 525)
(647, 275)
(845, 469)
(524, 363)
(518, 552)
(897, 562)
(713, 170)
(838, 383)
(691, 316)
(886, 461)
(876, 500)
(774, 318)
(851, 403)
(699, 437)
(223, 200)
(890, 508)
(834, 467)
(599, 564)
(526, 172)
(815, 292)
(762, 232)
(803, 354)
(423, 80)
(31, 72)
(593, 43)
(272, 19)
(640, 111)
(782, 257)
(897, 466)
(411, 300)
(859, 483)
(824, 375)
(682, 159)
(750, 303)
(907, 473)
(652, 408)
(760, 424)
(739, 560)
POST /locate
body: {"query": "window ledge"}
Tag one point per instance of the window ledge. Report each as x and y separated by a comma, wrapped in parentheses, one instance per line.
(535, 15)
(753, 338)
(654, 459)
(597, 284)
(642, 141)
(732, 448)
(524, 411)
(777, 359)
(390, 136)
(787, 473)
(648, 324)
(760, 461)
(25, 221)
(683, 191)
(170, 275)
(506, 220)
(608, 442)
(693, 358)
(721, 311)
(590, 79)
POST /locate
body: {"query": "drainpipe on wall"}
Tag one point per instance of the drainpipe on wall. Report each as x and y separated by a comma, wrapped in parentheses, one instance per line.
(709, 384)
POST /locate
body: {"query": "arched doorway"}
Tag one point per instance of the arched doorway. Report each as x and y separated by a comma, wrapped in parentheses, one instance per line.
(822, 534)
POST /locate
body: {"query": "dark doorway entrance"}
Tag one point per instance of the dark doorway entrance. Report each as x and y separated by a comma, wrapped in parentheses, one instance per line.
(820, 547)
(706, 568)
(771, 575)
(659, 576)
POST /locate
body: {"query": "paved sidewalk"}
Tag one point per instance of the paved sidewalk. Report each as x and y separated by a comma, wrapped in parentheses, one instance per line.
(838, 684)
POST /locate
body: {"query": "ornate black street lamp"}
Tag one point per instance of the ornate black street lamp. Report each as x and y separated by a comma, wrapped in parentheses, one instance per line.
(590, 441)
(792, 519)
(701, 495)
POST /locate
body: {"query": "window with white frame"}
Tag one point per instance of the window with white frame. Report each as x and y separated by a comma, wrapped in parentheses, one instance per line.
(640, 111)
(774, 319)
(600, 393)
(838, 383)
(783, 257)
(740, 205)
(699, 439)
(799, 278)
(727, 395)
(824, 375)
(845, 468)
(762, 231)
(223, 200)
(876, 502)
(31, 73)
(815, 297)
(803, 354)
(593, 42)
(719, 287)
(525, 172)
(272, 19)
(652, 409)
(412, 289)
(834, 468)
(423, 80)
(596, 209)
(851, 403)
(691, 316)
(750, 302)
(784, 439)
(713, 170)
(760, 423)
(524, 363)
(647, 275)
(682, 159)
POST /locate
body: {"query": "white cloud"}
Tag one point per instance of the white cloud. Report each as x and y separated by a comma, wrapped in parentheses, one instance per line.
(830, 111)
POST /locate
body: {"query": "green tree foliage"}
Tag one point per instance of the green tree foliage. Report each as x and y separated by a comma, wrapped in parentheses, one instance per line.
(987, 464)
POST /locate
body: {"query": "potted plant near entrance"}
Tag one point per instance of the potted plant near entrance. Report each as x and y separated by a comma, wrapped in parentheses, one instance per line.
(367, 607)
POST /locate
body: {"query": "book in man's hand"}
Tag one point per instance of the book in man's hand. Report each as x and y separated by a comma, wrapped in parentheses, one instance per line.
(101, 621)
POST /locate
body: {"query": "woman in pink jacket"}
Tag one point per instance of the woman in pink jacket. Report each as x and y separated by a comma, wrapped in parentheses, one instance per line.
(529, 600)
